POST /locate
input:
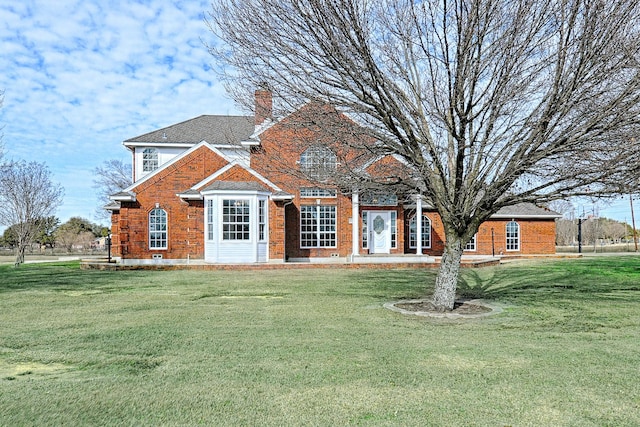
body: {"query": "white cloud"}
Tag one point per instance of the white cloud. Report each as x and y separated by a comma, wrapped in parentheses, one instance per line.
(82, 76)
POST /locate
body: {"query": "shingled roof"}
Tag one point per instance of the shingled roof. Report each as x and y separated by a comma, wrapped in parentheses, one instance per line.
(235, 186)
(216, 130)
(524, 210)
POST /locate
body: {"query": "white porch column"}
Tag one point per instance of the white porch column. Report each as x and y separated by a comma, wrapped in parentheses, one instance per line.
(419, 224)
(355, 222)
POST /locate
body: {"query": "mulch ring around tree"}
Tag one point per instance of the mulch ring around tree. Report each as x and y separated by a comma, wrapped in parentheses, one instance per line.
(462, 309)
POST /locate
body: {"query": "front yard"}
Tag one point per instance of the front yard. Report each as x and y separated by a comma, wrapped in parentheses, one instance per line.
(316, 347)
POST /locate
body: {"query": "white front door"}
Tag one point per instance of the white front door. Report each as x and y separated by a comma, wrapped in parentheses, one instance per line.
(380, 231)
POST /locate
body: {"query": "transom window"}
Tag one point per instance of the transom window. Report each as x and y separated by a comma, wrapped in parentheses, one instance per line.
(318, 162)
(158, 229)
(149, 160)
(235, 219)
(312, 192)
(513, 236)
(426, 232)
(317, 226)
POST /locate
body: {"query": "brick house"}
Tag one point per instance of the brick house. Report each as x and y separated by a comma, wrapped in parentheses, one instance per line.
(239, 189)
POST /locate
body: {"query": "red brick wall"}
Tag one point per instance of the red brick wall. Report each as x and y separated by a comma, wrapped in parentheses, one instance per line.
(277, 160)
(537, 236)
(185, 219)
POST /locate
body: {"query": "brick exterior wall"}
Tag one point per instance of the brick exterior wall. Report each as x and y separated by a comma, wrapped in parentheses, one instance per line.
(277, 159)
(185, 219)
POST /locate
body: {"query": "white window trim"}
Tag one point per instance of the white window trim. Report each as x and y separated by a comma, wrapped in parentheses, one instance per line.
(221, 223)
(335, 232)
(146, 161)
(507, 238)
(166, 231)
(473, 240)
(413, 246)
(318, 190)
(263, 226)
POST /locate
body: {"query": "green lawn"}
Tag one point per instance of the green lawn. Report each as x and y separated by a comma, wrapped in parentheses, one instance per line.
(316, 347)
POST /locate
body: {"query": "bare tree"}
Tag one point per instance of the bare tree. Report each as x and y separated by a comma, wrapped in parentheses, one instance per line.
(491, 103)
(27, 196)
(109, 178)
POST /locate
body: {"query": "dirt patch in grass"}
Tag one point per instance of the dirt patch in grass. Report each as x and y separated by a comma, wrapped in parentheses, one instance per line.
(31, 370)
(461, 308)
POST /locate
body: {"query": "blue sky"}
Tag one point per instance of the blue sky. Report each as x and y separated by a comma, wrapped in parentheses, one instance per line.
(82, 76)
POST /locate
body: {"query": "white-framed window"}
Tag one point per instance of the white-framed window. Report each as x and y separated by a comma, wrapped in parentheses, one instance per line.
(394, 229)
(210, 219)
(426, 232)
(365, 230)
(318, 162)
(157, 229)
(149, 159)
(236, 219)
(262, 220)
(513, 236)
(314, 192)
(318, 226)
(471, 244)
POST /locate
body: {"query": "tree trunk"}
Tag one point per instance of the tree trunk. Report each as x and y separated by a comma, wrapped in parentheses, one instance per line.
(444, 295)
(20, 255)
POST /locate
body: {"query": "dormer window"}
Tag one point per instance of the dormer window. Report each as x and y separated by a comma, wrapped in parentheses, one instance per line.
(149, 159)
(318, 163)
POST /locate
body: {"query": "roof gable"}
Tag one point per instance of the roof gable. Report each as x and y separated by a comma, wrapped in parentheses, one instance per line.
(172, 162)
(227, 171)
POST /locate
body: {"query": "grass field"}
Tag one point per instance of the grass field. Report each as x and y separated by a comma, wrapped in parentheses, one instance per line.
(316, 347)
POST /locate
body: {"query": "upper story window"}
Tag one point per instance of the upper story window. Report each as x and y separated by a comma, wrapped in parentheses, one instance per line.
(149, 159)
(513, 236)
(158, 229)
(318, 163)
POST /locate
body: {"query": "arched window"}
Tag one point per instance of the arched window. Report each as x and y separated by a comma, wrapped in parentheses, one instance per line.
(426, 232)
(513, 236)
(149, 159)
(158, 229)
(318, 162)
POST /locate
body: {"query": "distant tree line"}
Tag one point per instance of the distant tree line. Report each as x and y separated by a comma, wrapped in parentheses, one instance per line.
(75, 234)
(594, 231)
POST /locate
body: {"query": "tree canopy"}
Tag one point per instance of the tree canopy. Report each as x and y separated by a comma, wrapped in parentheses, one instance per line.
(491, 103)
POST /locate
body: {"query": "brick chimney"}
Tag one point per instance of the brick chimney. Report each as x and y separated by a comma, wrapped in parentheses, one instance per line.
(264, 105)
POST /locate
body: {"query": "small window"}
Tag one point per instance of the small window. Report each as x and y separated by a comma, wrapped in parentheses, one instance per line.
(149, 160)
(235, 220)
(513, 236)
(158, 229)
(471, 244)
(394, 229)
(210, 219)
(314, 192)
(262, 220)
(365, 231)
(426, 232)
(318, 163)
